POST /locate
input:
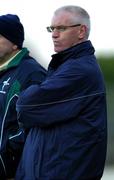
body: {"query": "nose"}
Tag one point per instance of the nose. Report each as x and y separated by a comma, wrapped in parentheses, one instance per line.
(55, 33)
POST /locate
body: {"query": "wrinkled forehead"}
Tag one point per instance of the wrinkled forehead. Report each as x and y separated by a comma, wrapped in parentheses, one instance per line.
(62, 18)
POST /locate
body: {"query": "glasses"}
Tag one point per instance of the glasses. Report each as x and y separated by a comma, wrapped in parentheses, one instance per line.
(61, 28)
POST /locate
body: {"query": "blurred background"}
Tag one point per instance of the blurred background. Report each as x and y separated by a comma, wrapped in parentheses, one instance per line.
(107, 66)
(36, 16)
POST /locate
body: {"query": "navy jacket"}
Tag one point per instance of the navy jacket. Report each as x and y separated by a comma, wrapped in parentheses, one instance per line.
(20, 73)
(67, 117)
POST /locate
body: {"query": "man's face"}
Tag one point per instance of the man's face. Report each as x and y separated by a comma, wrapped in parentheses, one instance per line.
(68, 37)
(6, 47)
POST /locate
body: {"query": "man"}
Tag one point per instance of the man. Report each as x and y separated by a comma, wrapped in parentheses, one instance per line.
(67, 112)
(17, 71)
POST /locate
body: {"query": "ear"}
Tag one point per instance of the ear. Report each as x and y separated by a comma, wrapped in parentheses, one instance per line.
(82, 33)
(15, 47)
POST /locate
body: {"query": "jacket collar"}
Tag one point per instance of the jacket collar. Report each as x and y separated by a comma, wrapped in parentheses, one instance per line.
(79, 50)
(15, 60)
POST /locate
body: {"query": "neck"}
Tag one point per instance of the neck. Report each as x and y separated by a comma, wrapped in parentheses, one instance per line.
(7, 57)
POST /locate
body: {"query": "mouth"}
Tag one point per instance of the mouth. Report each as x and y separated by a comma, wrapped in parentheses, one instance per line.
(56, 43)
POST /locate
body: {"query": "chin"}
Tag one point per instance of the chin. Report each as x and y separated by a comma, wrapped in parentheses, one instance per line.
(57, 50)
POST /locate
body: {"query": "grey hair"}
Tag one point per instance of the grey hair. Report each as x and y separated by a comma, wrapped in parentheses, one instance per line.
(80, 15)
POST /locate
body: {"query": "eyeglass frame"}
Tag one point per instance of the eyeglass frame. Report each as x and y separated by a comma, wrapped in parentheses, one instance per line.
(61, 28)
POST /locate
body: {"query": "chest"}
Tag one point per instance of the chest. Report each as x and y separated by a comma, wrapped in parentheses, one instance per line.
(7, 87)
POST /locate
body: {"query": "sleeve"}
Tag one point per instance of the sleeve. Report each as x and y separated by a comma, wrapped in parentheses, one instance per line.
(30, 72)
(34, 73)
(59, 98)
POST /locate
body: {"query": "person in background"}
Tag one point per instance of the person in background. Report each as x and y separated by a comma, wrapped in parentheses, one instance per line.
(67, 113)
(18, 70)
